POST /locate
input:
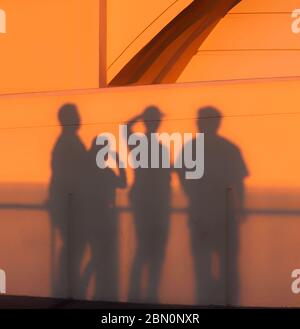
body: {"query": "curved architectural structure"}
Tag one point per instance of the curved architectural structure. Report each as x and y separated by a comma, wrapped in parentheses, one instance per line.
(163, 59)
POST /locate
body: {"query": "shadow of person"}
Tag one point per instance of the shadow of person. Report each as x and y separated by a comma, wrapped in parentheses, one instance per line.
(150, 201)
(102, 225)
(215, 204)
(65, 201)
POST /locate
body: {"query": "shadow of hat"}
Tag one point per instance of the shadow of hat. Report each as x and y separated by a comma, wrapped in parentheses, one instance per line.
(152, 113)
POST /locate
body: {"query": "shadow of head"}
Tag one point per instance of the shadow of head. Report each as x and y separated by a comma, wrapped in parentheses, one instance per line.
(152, 118)
(69, 117)
(209, 119)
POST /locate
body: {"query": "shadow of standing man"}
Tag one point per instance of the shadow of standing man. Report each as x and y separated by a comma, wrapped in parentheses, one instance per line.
(215, 210)
(64, 202)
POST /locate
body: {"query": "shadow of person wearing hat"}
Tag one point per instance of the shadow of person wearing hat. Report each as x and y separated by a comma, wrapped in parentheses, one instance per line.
(150, 201)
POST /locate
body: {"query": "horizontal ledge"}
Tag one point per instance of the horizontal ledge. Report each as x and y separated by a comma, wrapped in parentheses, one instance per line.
(129, 88)
(249, 211)
(247, 49)
(262, 13)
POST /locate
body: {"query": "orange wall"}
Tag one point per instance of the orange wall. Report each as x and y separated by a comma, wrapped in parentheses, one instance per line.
(249, 109)
(262, 118)
(49, 45)
(54, 45)
(254, 40)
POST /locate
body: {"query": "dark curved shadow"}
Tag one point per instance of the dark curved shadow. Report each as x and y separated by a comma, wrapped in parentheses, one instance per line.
(164, 58)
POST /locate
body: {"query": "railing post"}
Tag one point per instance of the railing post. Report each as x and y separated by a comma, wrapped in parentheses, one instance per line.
(2, 282)
(228, 259)
(69, 249)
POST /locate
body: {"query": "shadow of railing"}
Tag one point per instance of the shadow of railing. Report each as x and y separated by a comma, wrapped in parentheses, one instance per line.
(120, 209)
(249, 212)
(20, 206)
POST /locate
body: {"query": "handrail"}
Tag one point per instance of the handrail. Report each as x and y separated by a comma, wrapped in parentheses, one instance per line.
(247, 211)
